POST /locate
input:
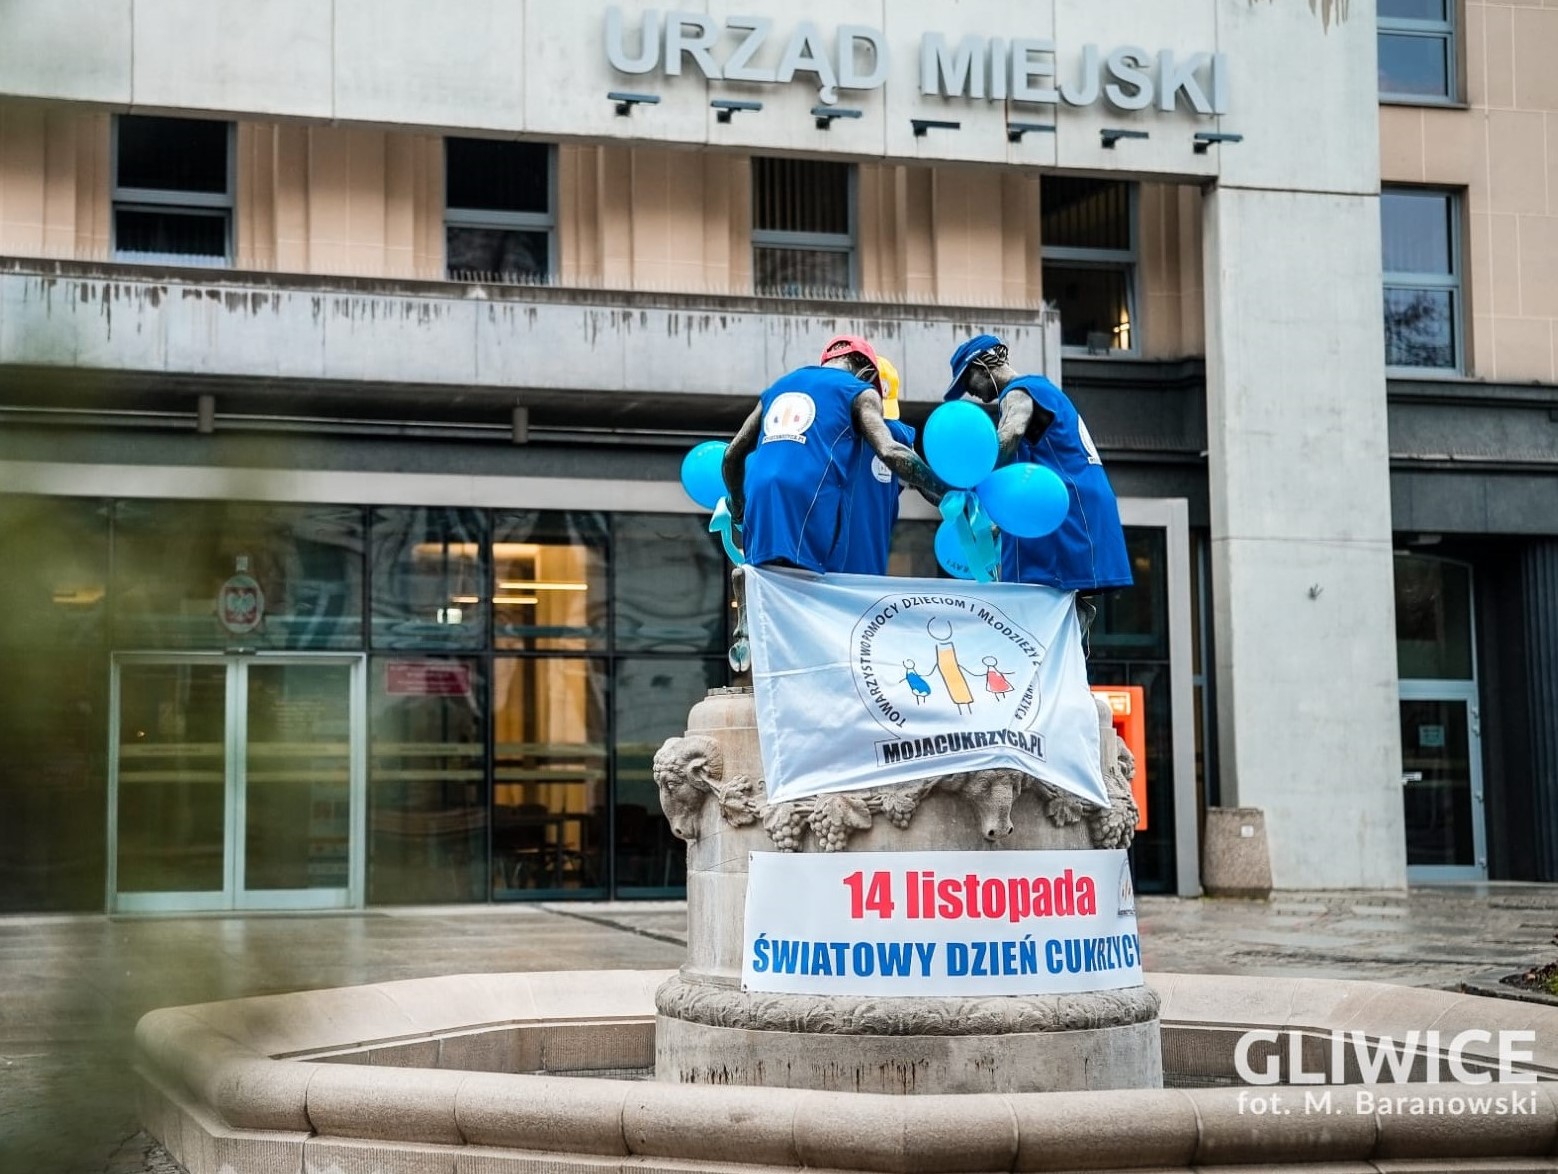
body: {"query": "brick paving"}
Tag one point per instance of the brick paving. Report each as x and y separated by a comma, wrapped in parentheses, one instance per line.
(72, 988)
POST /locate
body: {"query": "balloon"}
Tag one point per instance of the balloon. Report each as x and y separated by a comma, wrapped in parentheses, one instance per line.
(1026, 500)
(950, 553)
(701, 475)
(960, 443)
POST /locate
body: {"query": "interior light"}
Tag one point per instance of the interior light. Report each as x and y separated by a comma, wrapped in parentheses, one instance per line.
(515, 599)
(537, 585)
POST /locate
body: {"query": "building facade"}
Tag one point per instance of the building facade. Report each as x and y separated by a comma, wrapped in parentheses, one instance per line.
(348, 353)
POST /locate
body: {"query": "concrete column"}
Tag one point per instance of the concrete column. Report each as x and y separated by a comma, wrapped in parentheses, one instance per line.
(1301, 537)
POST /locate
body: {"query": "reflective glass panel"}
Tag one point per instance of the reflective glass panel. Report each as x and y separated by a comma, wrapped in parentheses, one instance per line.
(800, 195)
(1094, 302)
(1415, 232)
(148, 234)
(497, 176)
(671, 577)
(549, 575)
(172, 751)
(496, 254)
(1436, 765)
(785, 272)
(1414, 66)
(53, 703)
(652, 700)
(1080, 213)
(1411, 9)
(1133, 622)
(1433, 619)
(173, 154)
(1420, 328)
(427, 793)
(194, 574)
(429, 578)
(549, 774)
(297, 776)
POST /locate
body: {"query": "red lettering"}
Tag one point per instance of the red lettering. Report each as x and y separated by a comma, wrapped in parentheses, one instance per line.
(993, 896)
(1065, 895)
(911, 887)
(1087, 897)
(951, 898)
(971, 893)
(1043, 900)
(1019, 900)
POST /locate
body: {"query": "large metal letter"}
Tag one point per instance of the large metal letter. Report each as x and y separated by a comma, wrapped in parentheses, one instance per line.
(1174, 76)
(648, 45)
(952, 72)
(1085, 92)
(1025, 69)
(737, 68)
(851, 35)
(1125, 64)
(678, 42)
(804, 54)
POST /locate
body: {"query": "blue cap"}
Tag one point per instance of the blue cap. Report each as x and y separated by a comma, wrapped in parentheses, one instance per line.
(965, 355)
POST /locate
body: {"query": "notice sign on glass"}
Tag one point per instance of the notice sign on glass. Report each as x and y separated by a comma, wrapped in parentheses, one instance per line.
(940, 923)
(420, 678)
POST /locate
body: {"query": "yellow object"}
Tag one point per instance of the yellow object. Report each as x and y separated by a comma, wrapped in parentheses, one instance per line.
(952, 675)
(890, 385)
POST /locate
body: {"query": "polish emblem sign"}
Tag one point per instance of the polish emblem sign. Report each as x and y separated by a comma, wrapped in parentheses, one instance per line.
(240, 604)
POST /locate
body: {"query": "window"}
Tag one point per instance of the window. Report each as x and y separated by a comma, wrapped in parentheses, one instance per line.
(803, 227)
(1421, 242)
(1088, 228)
(1417, 50)
(500, 219)
(173, 190)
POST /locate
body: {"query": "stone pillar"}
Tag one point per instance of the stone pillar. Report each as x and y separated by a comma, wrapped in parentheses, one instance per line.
(1298, 456)
(709, 1031)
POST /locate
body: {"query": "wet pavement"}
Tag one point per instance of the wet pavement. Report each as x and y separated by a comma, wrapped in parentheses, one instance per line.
(72, 988)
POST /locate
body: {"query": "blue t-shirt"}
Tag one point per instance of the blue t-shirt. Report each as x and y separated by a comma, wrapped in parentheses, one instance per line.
(1087, 552)
(873, 509)
(798, 476)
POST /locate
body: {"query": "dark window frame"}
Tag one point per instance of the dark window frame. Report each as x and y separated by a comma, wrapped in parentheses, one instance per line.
(845, 243)
(1126, 261)
(507, 221)
(176, 201)
(1452, 282)
(1446, 32)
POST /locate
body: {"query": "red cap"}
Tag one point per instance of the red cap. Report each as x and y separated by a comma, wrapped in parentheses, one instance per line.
(852, 344)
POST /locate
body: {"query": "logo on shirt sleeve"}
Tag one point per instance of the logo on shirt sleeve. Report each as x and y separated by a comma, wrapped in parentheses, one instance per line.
(789, 416)
(1087, 443)
(880, 471)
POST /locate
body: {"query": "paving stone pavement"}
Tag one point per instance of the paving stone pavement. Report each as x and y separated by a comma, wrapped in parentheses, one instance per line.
(72, 988)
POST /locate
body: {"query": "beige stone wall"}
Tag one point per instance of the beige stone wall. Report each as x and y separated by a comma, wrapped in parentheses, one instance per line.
(1171, 306)
(369, 202)
(1503, 154)
(54, 181)
(342, 200)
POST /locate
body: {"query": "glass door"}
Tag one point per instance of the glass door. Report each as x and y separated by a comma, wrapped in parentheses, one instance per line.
(1441, 777)
(237, 783)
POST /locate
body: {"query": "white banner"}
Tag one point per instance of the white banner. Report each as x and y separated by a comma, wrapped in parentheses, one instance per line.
(863, 680)
(940, 923)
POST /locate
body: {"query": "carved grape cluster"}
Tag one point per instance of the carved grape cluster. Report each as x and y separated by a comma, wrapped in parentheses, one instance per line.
(785, 824)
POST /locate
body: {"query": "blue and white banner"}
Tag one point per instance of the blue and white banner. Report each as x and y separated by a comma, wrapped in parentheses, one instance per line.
(940, 923)
(862, 681)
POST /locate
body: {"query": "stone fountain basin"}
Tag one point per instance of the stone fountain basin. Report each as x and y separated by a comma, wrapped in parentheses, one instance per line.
(500, 1073)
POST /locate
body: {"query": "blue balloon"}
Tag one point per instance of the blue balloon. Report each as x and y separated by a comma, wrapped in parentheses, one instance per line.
(960, 443)
(702, 477)
(950, 553)
(1026, 500)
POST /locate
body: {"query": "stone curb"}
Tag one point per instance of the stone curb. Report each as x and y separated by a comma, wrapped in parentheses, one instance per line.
(210, 1091)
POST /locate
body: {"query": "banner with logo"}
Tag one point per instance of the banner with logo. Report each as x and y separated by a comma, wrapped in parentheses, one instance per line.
(862, 681)
(940, 923)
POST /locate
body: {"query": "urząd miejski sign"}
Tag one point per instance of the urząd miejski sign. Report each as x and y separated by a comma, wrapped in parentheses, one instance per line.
(940, 923)
(997, 69)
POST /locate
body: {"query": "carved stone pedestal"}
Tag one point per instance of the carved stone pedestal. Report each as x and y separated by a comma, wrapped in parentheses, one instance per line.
(709, 1031)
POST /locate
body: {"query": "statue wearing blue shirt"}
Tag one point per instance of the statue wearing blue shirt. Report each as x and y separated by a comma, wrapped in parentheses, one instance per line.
(1038, 423)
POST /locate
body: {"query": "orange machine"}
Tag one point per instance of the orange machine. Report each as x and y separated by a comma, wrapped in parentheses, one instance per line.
(1127, 704)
